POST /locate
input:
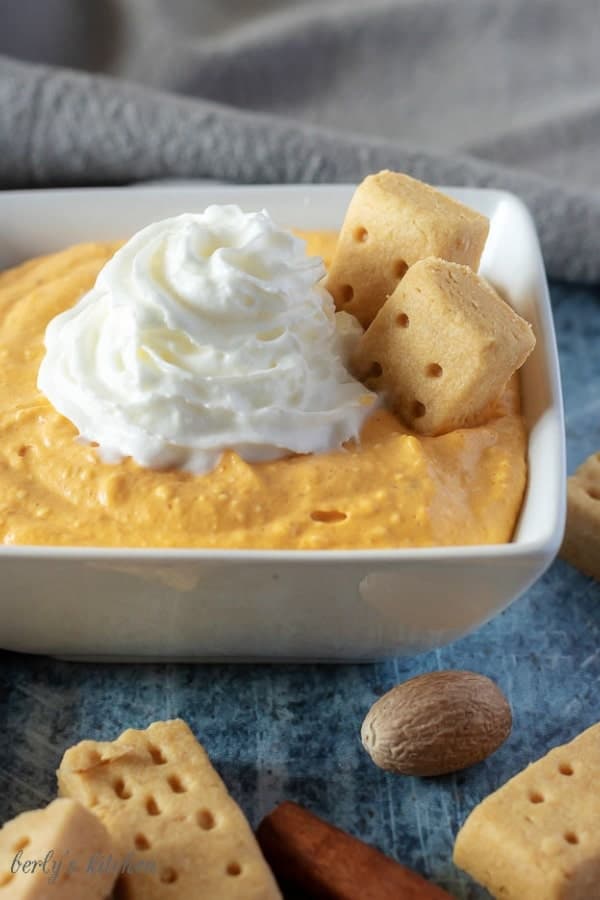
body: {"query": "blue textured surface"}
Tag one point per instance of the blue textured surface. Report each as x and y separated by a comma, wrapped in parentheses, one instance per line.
(291, 732)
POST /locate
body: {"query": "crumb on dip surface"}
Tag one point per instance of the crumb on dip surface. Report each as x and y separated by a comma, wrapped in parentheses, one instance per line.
(393, 489)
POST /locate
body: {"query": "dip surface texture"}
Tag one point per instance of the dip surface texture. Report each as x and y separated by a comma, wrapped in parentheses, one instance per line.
(392, 490)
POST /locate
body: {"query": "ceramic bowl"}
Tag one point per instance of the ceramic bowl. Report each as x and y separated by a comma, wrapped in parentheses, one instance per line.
(283, 605)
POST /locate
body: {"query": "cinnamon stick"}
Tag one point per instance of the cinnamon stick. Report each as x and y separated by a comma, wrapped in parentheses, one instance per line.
(308, 855)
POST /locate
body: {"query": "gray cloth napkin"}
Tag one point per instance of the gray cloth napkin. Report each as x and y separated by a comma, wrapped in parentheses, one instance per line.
(502, 93)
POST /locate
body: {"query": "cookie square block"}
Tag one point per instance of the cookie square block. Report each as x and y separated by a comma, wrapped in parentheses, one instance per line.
(392, 222)
(581, 545)
(62, 852)
(442, 347)
(162, 801)
(538, 836)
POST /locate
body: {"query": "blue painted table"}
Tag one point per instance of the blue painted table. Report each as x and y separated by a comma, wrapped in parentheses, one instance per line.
(278, 732)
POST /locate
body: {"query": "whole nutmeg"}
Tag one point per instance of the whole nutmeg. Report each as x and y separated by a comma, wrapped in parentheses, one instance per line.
(437, 723)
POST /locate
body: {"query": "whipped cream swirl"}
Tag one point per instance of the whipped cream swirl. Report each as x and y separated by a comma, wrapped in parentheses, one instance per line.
(206, 332)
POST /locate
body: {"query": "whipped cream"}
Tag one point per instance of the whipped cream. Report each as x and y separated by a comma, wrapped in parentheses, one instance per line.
(207, 332)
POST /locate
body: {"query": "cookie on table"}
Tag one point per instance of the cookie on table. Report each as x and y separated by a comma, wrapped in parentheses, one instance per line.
(56, 853)
(160, 798)
(581, 545)
(442, 347)
(538, 837)
(392, 222)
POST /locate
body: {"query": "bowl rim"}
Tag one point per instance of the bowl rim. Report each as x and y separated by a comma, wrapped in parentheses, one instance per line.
(544, 546)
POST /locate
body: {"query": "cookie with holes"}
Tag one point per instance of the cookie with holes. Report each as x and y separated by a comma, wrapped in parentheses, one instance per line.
(442, 347)
(392, 222)
(51, 854)
(162, 801)
(581, 546)
(538, 836)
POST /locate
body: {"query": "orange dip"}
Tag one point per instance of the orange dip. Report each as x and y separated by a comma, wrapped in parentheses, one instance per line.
(392, 490)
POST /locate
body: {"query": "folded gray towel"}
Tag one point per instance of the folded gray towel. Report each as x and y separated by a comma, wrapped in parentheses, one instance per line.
(477, 92)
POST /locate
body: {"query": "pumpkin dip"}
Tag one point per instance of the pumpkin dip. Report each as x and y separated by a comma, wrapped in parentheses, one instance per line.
(394, 489)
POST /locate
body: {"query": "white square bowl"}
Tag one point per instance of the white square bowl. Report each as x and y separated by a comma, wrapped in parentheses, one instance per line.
(283, 605)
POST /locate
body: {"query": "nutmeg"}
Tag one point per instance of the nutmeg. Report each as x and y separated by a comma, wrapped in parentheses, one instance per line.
(437, 723)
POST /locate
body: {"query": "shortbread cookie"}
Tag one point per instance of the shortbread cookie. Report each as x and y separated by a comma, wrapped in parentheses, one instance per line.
(442, 347)
(62, 852)
(538, 837)
(581, 546)
(393, 221)
(158, 795)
